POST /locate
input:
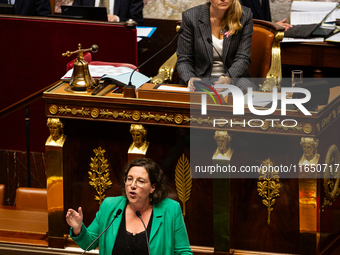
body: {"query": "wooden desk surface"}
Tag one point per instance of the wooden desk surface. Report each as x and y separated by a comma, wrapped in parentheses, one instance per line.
(15, 220)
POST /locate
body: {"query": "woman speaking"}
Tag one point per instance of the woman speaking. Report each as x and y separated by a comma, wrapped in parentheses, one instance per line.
(144, 194)
(221, 24)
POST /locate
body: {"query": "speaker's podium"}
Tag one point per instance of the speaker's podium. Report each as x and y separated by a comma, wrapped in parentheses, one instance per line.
(278, 211)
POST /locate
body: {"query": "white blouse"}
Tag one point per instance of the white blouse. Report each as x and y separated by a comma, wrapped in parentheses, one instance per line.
(218, 67)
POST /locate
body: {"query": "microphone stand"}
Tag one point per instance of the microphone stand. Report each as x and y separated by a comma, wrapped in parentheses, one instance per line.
(119, 211)
(146, 232)
(130, 90)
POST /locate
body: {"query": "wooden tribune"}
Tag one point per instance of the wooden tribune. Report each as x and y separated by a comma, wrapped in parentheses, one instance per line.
(102, 123)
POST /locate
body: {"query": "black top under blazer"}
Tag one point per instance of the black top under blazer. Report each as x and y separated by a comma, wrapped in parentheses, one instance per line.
(195, 54)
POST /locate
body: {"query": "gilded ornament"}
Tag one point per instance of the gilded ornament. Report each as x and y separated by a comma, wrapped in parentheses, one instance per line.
(334, 114)
(95, 113)
(74, 111)
(115, 114)
(307, 128)
(157, 117)
(139, 145)
(187, 119)
(318, 127)
(265, 125)
(331, 179)
(178, 119)
(99, 174)
(326, 120)
(56, 128)
(268, 185)
(136, 115)
(183, 180)
(53, 109)
(200, 121)
(310, 148)
(223, 150)
(221, 125)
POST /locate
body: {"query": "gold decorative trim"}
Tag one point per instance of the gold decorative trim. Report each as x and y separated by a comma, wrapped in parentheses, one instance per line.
(65, 110)
(331, 179)
(95, 113)
(157, 117)
(115, 114)
(105, 113)
(274, 75)
(99, 174)
(53, 109)
(183, 180)
(136, 115)
(327, 120)
(268, 185)
(318, 127)
(179, 119)
(166, 71)
(307, 128)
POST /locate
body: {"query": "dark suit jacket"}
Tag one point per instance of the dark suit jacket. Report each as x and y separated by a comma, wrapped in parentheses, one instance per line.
(259, 12)
(31, 7)
(195, 54)
(124, 9)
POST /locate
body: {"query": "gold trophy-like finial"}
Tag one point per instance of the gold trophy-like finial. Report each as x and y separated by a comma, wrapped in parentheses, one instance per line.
(81, 79)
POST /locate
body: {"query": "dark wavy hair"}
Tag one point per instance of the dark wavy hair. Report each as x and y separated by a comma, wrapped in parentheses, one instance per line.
(156, 177)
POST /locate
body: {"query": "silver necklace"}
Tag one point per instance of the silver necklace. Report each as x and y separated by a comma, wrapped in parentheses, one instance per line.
(221, 28)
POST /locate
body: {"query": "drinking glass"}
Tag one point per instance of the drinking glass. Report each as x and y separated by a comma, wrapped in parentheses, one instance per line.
(296, 77)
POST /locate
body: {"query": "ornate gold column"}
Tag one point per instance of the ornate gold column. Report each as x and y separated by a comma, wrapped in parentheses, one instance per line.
(308, 209)
(221, 195)
(54, 174)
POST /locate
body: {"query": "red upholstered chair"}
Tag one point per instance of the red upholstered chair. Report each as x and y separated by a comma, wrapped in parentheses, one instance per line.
(2, 194)
(88, 59)
(31, 198)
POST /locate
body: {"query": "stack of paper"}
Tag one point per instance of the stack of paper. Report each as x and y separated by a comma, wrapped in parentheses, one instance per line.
(120, 74)
(97, 71)
(309, 12)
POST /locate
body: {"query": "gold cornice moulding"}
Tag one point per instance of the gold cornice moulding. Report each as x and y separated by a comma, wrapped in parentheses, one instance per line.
(105, 113)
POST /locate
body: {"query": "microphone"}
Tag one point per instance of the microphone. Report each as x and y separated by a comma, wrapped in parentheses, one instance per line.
(210, 42)
(119, 211)
(178, 33)
(146, 232)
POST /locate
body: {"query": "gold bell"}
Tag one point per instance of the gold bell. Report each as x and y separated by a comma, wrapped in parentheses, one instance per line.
(81, 79)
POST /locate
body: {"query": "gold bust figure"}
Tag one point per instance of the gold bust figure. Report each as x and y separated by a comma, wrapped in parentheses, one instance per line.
(139, 144)
(223, 151)
(309, 147)
(56, 128)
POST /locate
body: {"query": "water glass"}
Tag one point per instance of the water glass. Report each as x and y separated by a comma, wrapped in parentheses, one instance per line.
(296, 77)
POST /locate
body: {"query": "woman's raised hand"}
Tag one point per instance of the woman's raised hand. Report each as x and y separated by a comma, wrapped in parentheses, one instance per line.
(75, 220)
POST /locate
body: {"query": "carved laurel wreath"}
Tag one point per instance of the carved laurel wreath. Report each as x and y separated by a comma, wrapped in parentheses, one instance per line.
(268, 186)
(99, 174)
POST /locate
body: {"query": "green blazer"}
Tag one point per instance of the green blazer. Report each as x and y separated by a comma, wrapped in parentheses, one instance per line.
(168, 234)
